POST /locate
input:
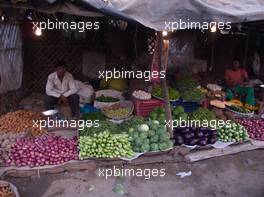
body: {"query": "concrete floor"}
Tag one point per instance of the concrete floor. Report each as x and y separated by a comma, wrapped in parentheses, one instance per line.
(240, 175)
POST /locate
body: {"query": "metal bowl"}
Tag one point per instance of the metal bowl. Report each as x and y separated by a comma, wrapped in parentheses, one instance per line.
(50, 112)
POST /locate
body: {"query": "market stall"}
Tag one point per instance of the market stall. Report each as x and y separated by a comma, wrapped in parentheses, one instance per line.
(121, 135)
(117, 125)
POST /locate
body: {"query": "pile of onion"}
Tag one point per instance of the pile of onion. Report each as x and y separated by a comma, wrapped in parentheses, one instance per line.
(43, 150)
(6, 142)
(255, 127)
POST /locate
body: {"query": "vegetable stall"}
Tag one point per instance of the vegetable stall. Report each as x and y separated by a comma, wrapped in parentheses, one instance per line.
(119, 134)
(131, 125)
(162, 116)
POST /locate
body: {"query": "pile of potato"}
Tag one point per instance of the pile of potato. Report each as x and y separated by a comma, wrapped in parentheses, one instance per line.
(20, 121)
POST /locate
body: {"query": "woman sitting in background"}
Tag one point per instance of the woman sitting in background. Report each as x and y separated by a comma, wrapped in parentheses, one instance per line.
(236, 78)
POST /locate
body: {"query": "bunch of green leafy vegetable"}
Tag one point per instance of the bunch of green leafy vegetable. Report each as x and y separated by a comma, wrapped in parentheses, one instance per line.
(186, 81)
(195, 95)
(136, 120)
(97, 115)
(103, 126)
(173, 93)
(107, 99)
(202, 114)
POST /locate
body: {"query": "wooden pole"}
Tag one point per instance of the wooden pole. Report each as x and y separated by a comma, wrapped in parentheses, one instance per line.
(162, 66)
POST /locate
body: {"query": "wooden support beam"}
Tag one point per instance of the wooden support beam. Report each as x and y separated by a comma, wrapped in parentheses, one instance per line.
(162, 65)
(213, 152)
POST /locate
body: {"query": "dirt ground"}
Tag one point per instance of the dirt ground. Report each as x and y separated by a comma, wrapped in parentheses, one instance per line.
(240, 175)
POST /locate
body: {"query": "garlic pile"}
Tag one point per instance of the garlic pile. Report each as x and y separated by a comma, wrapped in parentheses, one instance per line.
(142, 95)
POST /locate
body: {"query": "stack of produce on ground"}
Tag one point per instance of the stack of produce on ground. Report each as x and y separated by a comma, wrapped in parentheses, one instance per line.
(6, 190)
(42, 150)
(173, 93)
(194, 136)
(177, 113)
(6, 142)
(20, 121)
(150, 136)
(202, 114)
(105, 145)
(194, 95)
(107, 99)
(239, 109)
(255, 127)
(232, 132)
(142, 95)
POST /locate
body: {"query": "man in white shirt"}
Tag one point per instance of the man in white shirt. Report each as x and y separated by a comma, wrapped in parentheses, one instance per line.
(61, 89)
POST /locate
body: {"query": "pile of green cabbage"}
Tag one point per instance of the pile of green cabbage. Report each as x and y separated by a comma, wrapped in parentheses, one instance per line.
(150, 136)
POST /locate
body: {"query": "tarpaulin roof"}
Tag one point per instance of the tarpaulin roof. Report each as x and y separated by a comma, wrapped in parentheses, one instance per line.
(154, 13)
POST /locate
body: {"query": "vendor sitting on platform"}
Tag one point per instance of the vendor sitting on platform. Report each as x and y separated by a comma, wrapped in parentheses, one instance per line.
(236, 79)
(61, 89)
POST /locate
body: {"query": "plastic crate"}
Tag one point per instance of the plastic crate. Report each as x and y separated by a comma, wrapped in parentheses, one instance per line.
(188, 106)
(143, 108)
(87, 109)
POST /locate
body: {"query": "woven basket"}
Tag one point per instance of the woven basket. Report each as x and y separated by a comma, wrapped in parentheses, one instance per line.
(13, 188)
(122, 104)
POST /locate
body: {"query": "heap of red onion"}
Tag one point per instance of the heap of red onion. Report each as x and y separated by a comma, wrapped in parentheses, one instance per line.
(255, 127)
(43, 150)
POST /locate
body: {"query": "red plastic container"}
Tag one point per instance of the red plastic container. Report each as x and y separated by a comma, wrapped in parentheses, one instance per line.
(143, 108)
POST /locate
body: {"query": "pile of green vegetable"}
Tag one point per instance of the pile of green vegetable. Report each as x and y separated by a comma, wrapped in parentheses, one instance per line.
(136, 120)
(202, 114)
(232, 133)
(120, 113)
(103, 126)
(177, 113)
(105, 145)
(150, 136)
(194, 95)
(107, 99)
(186, 82)
(97, 115)
(173, 93)
(111, 127)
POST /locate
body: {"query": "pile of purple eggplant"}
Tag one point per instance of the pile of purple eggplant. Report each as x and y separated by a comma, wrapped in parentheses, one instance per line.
(194, 136)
